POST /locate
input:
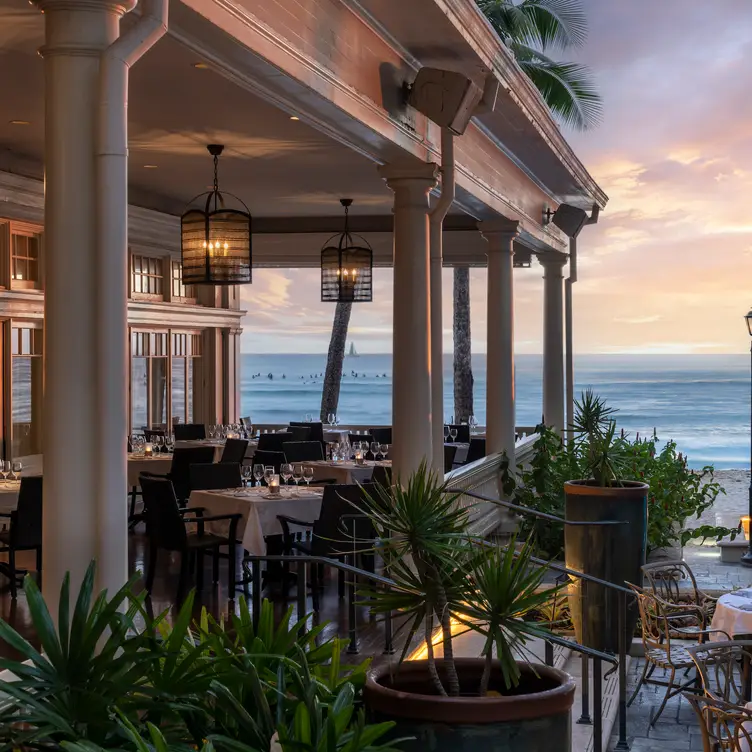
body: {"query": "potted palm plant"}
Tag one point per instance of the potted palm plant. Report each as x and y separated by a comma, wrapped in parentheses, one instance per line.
(613, 552)
(447, 582)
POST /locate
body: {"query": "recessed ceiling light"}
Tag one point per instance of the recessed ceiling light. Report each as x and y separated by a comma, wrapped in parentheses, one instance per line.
(20, 122)
(200, 66)
(150, 167)
(294, 117)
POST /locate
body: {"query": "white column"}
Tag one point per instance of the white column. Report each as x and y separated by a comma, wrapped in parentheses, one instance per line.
(75, 35)
(553, 340)
(437, 349)
(411, 382)
(500, 410)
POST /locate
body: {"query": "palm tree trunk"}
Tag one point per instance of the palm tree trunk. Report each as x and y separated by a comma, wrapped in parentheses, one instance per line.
(463, 367)
(334, 360)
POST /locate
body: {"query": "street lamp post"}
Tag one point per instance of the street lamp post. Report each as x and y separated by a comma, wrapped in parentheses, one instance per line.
(747, 558)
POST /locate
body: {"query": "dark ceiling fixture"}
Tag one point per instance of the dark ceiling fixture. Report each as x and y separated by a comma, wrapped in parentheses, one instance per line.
(216, 240)
(346, 266)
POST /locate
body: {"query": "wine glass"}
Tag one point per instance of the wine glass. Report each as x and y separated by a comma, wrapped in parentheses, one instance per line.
(158, 444)
(375, 449)
(308, 476)
(309, 417)
(247, 472)
(446, 433)
(5, 470)
(453, 435)
(268, 474)
(285, 471)
(297, 476)
(384, 451)
(331, 419)
(473, 423)
(169, 442)
(16, 471)
(212, 431)
(258, 473)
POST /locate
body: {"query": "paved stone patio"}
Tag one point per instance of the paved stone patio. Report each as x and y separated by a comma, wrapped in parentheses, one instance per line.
(677, 728)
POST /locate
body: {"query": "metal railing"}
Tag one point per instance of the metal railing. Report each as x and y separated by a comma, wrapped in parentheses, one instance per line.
(589, 655)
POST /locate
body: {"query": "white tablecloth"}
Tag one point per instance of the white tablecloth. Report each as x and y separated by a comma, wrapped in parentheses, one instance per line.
(335, 434)
(733, 614)
(259, 512)
(344, 472)
(8, 497)
(137, 464)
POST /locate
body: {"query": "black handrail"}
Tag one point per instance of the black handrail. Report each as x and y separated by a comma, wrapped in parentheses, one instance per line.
(535, 512)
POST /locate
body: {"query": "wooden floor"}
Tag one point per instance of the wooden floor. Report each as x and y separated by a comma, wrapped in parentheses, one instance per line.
(333, 609)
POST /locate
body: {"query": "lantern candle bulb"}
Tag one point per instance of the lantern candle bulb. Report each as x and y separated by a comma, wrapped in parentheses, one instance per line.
(274, 485)
(744, 522)
(148, 450)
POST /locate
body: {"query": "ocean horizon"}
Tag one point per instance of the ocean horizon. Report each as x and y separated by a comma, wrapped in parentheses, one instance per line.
(700, 401)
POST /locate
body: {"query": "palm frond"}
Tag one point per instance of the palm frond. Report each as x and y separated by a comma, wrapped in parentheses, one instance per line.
(567, 88)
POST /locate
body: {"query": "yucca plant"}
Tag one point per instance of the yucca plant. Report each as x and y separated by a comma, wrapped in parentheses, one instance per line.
(441, 575)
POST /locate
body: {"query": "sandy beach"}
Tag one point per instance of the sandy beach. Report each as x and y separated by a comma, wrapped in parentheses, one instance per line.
(729, 507)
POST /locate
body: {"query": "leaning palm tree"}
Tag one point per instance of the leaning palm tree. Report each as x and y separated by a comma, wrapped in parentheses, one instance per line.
(530, 28)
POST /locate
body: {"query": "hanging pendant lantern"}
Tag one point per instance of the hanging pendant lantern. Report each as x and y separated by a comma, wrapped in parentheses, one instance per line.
(347, 267)
(215, 239)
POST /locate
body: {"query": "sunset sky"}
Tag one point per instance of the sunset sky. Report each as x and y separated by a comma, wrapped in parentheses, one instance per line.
(667, 269)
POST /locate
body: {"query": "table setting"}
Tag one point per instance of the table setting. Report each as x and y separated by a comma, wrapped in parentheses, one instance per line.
(259, 507)
(346, 471)
(733, 614)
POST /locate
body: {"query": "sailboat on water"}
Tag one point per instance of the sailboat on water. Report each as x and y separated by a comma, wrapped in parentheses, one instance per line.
(352, 351)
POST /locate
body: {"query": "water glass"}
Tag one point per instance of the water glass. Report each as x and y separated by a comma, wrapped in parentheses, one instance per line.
(309, 417)
(268, 473)
(246, 470)
(16, 471)
(212, 431)
(308, 476)
(258, 473)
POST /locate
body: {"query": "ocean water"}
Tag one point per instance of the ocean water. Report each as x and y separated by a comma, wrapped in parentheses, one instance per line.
(700, 401)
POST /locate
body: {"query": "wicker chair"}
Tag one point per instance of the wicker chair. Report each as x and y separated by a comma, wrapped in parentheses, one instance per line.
(659, 633)
(665, 579)
(724, 726)
(724, 668)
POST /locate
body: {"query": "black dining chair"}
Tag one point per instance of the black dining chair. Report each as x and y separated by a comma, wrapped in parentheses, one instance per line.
(463, 432)
(339, 530)
(166, 530)
(317, 430)
(265, 458)
(24, 531)
(189, 431)
(215, 475)
(300, 433)
(303, 451)
(382, 435)
(272, 442)
(382, 476)
(234, 451)
(449, 452)
(180, 474)
(476, 450)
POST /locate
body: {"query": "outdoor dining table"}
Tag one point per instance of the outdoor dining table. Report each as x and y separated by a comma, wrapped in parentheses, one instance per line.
(258, 510)
(139, 463)
(345, 471)
(218, 444)
(9, 495)
(733, 615)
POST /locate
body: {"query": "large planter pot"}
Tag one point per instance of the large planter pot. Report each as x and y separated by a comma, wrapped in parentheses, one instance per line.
(613, 553)
(535, 717)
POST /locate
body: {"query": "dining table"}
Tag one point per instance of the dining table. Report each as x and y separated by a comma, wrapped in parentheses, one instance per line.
(258, 510)
(345, 471)
(140, 463)
(9, 495)
(733, 615)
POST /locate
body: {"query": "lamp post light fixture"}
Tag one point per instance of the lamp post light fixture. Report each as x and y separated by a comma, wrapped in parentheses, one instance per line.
(347, 266)
(747, 558)
(215, 239)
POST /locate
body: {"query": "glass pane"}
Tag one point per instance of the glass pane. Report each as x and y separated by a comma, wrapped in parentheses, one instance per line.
(26, 408)
(189, 388)
(139, 393)
(158, 391)
(26, 341)
(178, 390)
